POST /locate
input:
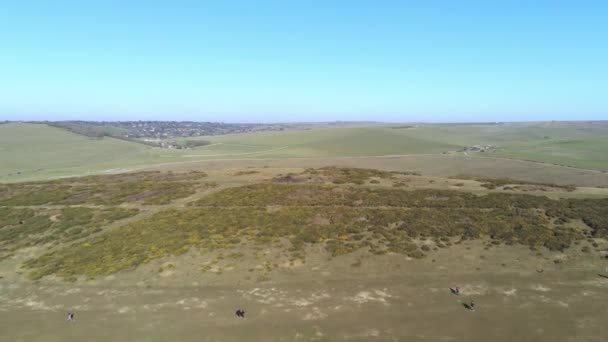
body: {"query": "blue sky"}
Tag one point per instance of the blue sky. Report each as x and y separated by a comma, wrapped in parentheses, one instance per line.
(264, 61)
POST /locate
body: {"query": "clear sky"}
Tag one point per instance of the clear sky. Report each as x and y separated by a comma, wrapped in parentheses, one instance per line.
(288, 60)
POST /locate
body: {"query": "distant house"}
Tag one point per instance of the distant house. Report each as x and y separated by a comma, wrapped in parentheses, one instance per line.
(479, 148)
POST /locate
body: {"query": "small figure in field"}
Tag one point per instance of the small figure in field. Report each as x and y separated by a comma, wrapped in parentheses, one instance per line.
(455, 290)
(469, 306)
(70, 316)
(240, 313)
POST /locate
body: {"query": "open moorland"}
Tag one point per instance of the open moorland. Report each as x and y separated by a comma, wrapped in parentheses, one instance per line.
(328, 253)
(328, 234)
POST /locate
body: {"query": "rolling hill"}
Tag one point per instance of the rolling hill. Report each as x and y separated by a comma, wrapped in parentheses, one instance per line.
(32, 151)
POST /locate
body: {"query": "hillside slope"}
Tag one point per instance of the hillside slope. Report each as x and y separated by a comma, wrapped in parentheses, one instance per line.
(29, 151)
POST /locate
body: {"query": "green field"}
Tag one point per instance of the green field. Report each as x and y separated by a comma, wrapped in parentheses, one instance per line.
(38, 151)
(573, 144)
(32, 152)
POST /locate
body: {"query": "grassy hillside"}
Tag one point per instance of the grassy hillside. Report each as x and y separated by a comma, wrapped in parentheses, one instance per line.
(577, 144)
(30, 152)
(324, 142)
(573, 144)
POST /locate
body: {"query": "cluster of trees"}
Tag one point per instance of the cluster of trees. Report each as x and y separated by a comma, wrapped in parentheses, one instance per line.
(194, 143)
(88, 129)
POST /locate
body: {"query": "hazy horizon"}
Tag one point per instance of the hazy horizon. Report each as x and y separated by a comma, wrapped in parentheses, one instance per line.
(321, 122)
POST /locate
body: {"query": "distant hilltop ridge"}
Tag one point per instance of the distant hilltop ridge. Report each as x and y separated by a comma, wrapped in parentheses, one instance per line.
(175, 134)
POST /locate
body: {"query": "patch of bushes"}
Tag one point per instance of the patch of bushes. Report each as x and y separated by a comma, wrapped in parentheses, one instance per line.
(244, 173)
(383, 220)
(342, 175)
(174, 232)
(591, 211)
(144, 187)
(493, 183)
(21, 228)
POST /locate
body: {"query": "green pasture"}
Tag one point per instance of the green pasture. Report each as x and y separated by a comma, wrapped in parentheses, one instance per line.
(31, 151)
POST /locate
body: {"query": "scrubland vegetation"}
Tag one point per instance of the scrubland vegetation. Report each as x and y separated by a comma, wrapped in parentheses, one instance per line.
(144, 187)
(39, 213)
(340, 175)
(493, 183)
(342, 218)
(245, 173)
(24, 227)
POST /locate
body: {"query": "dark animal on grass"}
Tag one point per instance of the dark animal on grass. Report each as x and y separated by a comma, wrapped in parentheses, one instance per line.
(455, 290)
(240, 313)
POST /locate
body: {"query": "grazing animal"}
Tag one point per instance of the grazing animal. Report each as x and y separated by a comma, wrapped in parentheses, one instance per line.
(70, 316)
(240, 313)
(455, 290)
(469, 306)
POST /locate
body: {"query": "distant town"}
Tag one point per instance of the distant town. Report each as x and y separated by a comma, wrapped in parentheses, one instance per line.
(164, 134)
(165, 129)
(172, 129)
